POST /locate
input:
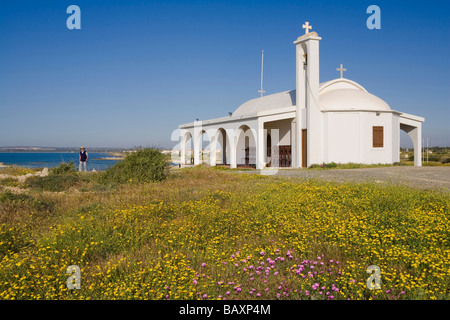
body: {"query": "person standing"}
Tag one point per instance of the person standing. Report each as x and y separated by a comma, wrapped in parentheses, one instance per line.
(83, 159)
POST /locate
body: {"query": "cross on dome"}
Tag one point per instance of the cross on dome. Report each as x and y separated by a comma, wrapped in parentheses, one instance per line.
(306, 26)
(341, 69)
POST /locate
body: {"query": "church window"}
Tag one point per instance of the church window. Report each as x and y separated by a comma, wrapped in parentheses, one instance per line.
(377, 137)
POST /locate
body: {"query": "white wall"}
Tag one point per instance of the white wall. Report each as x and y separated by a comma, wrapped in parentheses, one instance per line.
(348, 137)
(342, 137)
(378, 155)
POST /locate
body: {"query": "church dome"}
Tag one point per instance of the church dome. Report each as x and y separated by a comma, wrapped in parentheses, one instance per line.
(338, 94)
(344, 94)
(272, 101)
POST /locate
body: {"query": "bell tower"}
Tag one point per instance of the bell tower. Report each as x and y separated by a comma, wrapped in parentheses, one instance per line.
(308, 114)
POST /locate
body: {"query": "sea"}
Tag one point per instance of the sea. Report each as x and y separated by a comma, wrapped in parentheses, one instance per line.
(96, 161)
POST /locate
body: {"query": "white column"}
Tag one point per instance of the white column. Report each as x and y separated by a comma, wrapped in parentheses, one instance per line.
(416, 137)
(196, 152)
(182, 148)
(300, 101)
(313, 114)
(395, 139)
(212, 151)
(260, 145)
(197, 136)
(231, 133)
(294, 144)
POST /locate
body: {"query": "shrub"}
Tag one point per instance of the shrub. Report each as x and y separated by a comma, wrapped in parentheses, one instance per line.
(323, 165)
(10, 182)
(445, 160)
(64, 168)
(8, 196)
(143, 165)
(23, 200)
(54, 182)
(331, 165)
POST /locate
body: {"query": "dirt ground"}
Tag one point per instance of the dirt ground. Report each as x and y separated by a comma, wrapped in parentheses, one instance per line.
(420, 177)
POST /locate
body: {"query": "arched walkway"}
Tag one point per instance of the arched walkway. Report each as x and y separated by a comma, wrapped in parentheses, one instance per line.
(415, 133)
(221, 147)
(187, 149)
(202, 147)
(245, 146)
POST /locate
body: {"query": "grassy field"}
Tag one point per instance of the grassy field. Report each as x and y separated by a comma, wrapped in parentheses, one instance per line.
(215, 234)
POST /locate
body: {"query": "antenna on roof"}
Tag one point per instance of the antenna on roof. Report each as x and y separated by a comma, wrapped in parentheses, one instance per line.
(262, 73)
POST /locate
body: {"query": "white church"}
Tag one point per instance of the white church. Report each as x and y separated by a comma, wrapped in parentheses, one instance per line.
(318, 122)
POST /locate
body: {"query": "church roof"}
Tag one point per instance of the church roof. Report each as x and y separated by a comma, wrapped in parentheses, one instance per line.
(337, 94)
(272, 101)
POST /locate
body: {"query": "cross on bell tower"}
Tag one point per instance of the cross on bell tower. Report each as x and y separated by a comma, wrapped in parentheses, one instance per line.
(341, 69)
(306, 26)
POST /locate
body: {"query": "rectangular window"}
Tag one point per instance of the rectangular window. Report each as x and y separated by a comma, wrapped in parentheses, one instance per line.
(377, 137)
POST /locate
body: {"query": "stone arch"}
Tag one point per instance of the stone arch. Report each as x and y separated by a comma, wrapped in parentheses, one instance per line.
(222, 140)
(187, 149)
(245, 146)
(202, 146)
(415, 134)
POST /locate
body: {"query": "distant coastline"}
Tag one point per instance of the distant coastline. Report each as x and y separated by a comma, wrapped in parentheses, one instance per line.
(98, 160)
(16, 149)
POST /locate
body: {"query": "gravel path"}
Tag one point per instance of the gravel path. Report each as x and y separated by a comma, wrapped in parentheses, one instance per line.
(420, 177)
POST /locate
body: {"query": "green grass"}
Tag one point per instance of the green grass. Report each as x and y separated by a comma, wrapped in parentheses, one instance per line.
(55, 183)
(150, 240)
(17, 171)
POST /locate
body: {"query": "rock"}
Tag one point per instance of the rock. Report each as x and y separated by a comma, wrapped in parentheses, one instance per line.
(44, 172)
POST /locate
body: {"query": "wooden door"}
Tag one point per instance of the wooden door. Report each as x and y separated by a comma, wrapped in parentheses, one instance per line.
(304, 147)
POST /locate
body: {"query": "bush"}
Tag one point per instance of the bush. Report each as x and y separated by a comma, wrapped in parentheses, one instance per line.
(323, 165)
(445, 160)
(8, 196)
(331, 165)
(64, 168)
(54, 182)
(143, 165)
(23, 200)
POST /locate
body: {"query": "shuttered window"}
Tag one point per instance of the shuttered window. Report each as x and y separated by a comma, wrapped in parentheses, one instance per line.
(377, 137)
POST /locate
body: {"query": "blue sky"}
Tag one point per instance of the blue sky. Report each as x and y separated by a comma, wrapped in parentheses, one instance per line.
(138, 69)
